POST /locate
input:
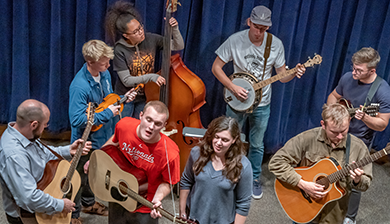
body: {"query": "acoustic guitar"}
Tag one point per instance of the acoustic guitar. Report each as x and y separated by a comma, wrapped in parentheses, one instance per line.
(66, 182)
(254, 87)
(110, 183)
(371, 110)
(299, 206)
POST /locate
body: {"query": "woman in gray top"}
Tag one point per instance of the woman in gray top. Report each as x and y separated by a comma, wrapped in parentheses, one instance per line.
(216, 183)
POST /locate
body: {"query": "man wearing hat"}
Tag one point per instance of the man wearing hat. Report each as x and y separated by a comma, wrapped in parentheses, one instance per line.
(246, 49)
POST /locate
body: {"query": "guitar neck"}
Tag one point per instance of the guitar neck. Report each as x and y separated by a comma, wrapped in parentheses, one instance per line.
(148, 204)
(77, 156)
(352, 111)
(336, 176)
(274, 78)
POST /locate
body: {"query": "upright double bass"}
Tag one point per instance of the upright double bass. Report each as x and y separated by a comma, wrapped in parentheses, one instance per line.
(184, 93)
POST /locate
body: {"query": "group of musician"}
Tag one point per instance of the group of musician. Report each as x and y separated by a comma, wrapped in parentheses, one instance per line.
(221, 176)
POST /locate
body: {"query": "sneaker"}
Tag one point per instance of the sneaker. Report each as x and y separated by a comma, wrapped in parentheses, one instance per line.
(348, 221)
(257, 192)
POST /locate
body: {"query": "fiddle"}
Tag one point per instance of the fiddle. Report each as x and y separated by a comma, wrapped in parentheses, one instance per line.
(113, 99)
(110, 99)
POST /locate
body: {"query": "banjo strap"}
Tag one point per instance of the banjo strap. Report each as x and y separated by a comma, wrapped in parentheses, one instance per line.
(267, 52)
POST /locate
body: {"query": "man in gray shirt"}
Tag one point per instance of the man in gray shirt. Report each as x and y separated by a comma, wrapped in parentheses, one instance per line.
(23, 160)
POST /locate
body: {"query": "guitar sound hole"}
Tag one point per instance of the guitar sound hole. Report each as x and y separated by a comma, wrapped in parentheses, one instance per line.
(67, 190)
(117, 195)
(122, 189)
(324, 181)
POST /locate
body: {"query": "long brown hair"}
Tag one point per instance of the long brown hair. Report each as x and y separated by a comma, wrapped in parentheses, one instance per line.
(117, 18)
(233, 165)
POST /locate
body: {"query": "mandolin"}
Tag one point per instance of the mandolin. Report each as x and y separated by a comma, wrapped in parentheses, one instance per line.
(371, 110)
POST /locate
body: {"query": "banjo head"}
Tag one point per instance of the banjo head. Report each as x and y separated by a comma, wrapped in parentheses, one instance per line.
(246, 81)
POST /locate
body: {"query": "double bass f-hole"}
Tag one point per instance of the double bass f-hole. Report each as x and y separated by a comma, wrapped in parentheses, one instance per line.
(179, 122)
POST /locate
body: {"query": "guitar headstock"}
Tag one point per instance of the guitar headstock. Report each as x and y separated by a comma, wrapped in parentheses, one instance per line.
(91, 112)
(311, 62)
(372, 110)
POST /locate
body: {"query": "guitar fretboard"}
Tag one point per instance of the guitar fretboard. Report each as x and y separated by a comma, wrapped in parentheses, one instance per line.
(149, 204)
(79, 151)
(359, 164)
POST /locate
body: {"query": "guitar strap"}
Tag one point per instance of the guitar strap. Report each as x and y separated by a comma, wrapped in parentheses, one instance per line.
(267, 52)
(348, 149)
(51, 150)
(374, 87)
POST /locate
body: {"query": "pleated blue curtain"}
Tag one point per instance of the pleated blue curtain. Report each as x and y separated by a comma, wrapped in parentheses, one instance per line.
(41, 45)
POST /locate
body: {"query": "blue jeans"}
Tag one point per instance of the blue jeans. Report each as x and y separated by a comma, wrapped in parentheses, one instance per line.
(258, 121)
(133, 109)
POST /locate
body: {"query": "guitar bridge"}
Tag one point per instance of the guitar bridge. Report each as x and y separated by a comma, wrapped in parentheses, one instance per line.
(107, 179)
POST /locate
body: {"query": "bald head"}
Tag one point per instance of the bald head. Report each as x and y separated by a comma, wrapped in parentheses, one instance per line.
(31, 110)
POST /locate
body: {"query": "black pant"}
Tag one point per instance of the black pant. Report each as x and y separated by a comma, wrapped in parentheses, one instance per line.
(118, 214)
(12, 220)
(84, 196)
(353, 205)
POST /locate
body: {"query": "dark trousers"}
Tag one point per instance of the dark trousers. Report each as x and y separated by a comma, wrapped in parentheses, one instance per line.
(12, 220)
(118, 214)
(85, 196)
(353, 204)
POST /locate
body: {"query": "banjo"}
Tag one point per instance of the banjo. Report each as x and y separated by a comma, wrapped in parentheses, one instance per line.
(254, 87)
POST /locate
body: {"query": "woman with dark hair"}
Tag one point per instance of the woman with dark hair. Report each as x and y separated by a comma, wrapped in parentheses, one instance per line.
(216, 185)
(135, 51)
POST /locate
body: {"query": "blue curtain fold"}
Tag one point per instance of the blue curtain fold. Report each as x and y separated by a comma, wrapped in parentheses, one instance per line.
(41, 51)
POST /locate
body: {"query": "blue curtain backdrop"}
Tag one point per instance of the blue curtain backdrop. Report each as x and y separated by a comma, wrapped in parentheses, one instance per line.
(41, 45)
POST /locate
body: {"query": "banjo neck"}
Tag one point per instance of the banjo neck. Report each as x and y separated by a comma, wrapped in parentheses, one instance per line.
(273, 79)
(309, 63)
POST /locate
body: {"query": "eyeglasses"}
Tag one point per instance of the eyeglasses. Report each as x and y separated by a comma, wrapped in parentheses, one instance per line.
(358, 71)
(139, 30)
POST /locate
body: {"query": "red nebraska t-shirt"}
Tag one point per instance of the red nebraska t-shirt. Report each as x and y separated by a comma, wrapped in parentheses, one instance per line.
(152, 158)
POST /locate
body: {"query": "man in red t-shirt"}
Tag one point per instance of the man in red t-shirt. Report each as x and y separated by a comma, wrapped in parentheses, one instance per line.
(146, 148)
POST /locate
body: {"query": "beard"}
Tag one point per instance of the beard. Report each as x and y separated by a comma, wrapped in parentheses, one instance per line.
(36, 134)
